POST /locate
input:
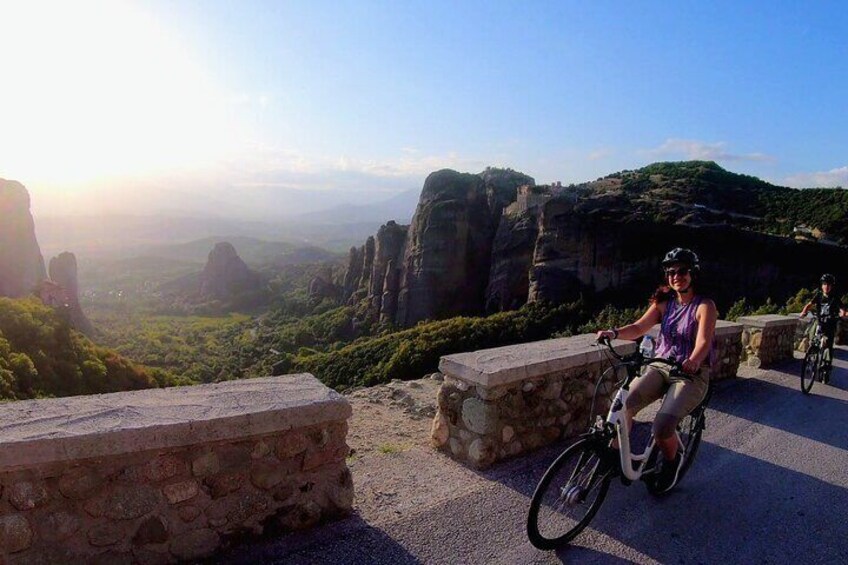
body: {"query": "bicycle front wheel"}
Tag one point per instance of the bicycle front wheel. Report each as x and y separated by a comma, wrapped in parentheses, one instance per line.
(809, 369)
(569, 494)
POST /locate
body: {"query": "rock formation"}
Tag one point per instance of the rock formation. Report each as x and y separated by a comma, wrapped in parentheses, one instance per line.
(367, 263)
(597, 248)
(446, 264)
(374, 265)
(226, 275)
(354, 270)
(21, 262)
(439, 265)
(494, 241)
(512, 257)
(63, 271)
(388, 254)
(321, 286)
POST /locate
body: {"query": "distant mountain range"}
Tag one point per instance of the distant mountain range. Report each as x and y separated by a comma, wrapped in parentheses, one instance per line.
(336, 228)
(399, 208)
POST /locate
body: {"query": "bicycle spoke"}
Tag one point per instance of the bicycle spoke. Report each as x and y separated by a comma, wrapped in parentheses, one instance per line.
(567, 496)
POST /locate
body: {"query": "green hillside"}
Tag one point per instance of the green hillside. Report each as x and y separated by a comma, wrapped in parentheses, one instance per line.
(40, 355)
(669, 190)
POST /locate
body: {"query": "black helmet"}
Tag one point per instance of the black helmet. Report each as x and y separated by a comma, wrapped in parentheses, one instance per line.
(828, 278)
(681, 255)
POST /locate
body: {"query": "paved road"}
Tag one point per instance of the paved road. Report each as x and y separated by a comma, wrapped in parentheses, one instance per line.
(770, 485)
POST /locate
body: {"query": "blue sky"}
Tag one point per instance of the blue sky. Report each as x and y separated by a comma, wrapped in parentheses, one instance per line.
(252, 101)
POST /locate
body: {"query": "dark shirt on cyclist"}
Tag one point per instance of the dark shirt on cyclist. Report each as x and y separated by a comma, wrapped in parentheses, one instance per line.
(828, 309)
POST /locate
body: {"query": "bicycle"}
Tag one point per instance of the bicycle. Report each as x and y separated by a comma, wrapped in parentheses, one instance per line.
(573, 488)
(817, 364)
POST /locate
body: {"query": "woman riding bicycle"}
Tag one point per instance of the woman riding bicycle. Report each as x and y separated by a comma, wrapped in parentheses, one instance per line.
(686, 336)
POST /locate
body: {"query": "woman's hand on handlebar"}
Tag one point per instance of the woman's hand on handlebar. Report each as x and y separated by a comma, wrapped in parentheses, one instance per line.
(605, 335)
(690, 367)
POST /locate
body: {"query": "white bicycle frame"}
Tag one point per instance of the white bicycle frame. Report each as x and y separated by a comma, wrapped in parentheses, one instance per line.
(616, 418)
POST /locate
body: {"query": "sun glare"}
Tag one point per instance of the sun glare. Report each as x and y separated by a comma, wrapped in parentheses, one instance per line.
(94, 90)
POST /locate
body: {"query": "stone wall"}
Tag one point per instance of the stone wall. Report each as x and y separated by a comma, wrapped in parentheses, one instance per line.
(501, 402)
(728, 342)
(800, 341)
(161, 476)
(768, 340)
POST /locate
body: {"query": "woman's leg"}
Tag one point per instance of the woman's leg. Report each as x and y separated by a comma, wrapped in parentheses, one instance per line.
(644, 390)
(665, 426)
(682, 397)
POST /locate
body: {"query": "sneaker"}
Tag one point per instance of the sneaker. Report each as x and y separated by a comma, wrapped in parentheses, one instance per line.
(825, 371)
(667, 472)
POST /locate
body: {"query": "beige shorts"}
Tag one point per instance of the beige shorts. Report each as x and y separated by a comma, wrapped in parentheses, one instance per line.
(682, 395)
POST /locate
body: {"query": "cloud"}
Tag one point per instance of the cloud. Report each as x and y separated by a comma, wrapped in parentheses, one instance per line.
(703, 151)
(832, 178)
(601, 153)
(409, 164)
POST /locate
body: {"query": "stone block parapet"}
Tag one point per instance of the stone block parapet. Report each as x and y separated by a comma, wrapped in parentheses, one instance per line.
(803, 326)
(728, 346)
(498, 403)
(768, 340)
(167, 475)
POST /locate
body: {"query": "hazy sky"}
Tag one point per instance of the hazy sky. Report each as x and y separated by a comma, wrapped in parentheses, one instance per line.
(111, 105)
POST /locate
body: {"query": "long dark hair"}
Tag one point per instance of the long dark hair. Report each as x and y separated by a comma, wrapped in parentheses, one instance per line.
(664, 292)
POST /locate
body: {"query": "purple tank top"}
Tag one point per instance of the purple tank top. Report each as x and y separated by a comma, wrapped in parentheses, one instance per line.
(679, 330)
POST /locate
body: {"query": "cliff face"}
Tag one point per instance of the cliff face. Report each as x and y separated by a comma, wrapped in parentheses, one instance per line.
(439, 265)
(494, 241)
(385, 270)
(21, 262)
(588, 247)
(63, 271)
(512, 257)
(321, 286)
(225, 274)
(448, 257)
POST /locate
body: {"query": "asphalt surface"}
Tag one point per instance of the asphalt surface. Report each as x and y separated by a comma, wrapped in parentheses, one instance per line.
(770, 485)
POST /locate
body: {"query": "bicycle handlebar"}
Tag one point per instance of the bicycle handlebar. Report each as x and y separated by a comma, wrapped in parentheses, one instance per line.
(675, 366)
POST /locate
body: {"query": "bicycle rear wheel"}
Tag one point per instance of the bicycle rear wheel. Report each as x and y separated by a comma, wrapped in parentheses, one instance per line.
(569, 494)
(690, 430)
(809, 369)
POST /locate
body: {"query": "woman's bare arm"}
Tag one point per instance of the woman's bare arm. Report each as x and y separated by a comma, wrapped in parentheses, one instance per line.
(637, 329)
(706, 316)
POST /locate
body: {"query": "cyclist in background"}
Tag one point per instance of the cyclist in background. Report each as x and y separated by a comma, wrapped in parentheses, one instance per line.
(829, 308)
(686, 335)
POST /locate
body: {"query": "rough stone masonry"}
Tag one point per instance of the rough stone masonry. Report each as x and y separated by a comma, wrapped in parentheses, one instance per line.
(160, 476)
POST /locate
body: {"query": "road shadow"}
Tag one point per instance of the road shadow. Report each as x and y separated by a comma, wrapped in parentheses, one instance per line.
(730, 508)
(839, 374)
(793, 368)
(351, 540)
(820, 418)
